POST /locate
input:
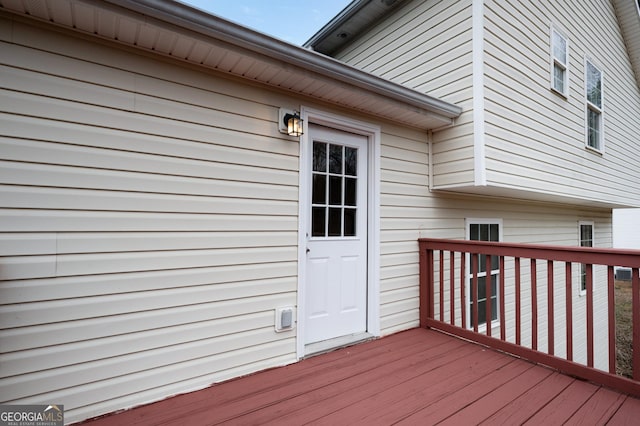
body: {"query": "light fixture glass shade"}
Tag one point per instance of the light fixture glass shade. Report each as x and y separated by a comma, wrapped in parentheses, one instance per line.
(294, 124)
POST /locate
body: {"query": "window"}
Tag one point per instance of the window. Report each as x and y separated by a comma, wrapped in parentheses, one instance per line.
(334, 186)
(559, 63)
(585, 240)
(484, 230)
(593, 78)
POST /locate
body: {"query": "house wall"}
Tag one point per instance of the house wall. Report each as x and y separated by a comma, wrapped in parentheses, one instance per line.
(149, 224)
(427, 46)
(535, 138)
(518, 134)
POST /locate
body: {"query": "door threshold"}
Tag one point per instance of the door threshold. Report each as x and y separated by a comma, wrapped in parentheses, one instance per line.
(324, 346)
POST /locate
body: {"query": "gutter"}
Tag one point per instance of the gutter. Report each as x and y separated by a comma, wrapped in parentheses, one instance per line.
(192, 19)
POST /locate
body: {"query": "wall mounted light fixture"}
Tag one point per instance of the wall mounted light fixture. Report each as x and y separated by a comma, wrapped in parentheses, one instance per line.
(290, 122)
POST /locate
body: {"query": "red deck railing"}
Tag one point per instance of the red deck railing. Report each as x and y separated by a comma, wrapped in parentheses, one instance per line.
(452, 271)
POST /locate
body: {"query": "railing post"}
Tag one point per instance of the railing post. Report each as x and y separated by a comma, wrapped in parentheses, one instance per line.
(426, 283)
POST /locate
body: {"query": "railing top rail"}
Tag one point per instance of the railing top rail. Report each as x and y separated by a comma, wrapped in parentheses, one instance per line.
(592, 255)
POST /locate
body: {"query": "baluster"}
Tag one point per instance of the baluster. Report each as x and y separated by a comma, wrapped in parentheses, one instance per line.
(488, 280)
(589, 315)
(518, 302)
(474, 290)
(452, 305)
(569, 308)
(550, 309)
(442, 285)
(503, 319)
(611, 297)
(534, 306)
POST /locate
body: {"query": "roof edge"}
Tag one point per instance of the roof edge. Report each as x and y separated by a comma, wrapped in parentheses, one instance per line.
(347, 13)
(187, 17)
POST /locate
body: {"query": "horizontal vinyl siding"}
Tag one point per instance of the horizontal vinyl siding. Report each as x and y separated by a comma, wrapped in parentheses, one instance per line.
(148, 226)
(405, 202)
(426, 45)
(410, 211)
(535, 139)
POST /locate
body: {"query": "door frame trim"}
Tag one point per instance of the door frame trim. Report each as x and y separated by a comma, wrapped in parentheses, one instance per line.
(372, 133)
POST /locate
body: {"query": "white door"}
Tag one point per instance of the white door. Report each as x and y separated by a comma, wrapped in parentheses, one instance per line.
(336, 270)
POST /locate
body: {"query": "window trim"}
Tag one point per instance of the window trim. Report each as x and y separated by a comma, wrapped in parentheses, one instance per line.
(583, 291)
(553, 61)
(592, 107)
(480, 221)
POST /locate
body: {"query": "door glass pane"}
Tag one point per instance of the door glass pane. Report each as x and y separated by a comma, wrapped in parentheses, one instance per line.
(319, 157)
(334, 186)
(318, 221)
(319, 189)
(350, 161)
(335, 222)
(349, 222)
(350, 191)
(335, 159)
(335, 190)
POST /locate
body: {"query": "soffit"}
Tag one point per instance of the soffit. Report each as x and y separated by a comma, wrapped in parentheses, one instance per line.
(181, 32)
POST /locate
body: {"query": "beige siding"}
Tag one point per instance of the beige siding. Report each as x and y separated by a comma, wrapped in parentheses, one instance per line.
(535, 139)
(148, 226)
(426, 45)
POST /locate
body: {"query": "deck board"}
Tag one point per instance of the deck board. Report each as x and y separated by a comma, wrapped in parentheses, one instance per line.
(560, 409)
(414, 377)
(528, 404)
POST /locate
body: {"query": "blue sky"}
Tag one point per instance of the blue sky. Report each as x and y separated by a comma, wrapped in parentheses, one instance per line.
(289, 20)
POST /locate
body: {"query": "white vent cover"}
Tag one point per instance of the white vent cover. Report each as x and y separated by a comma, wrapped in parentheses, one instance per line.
(285, 319)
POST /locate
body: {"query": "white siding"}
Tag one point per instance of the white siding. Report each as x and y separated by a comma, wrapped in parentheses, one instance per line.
(410, 211)
(626, 228)
(426, 45)
(535, 139)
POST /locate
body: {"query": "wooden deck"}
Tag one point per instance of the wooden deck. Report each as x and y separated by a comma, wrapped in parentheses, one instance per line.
(414, 377)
